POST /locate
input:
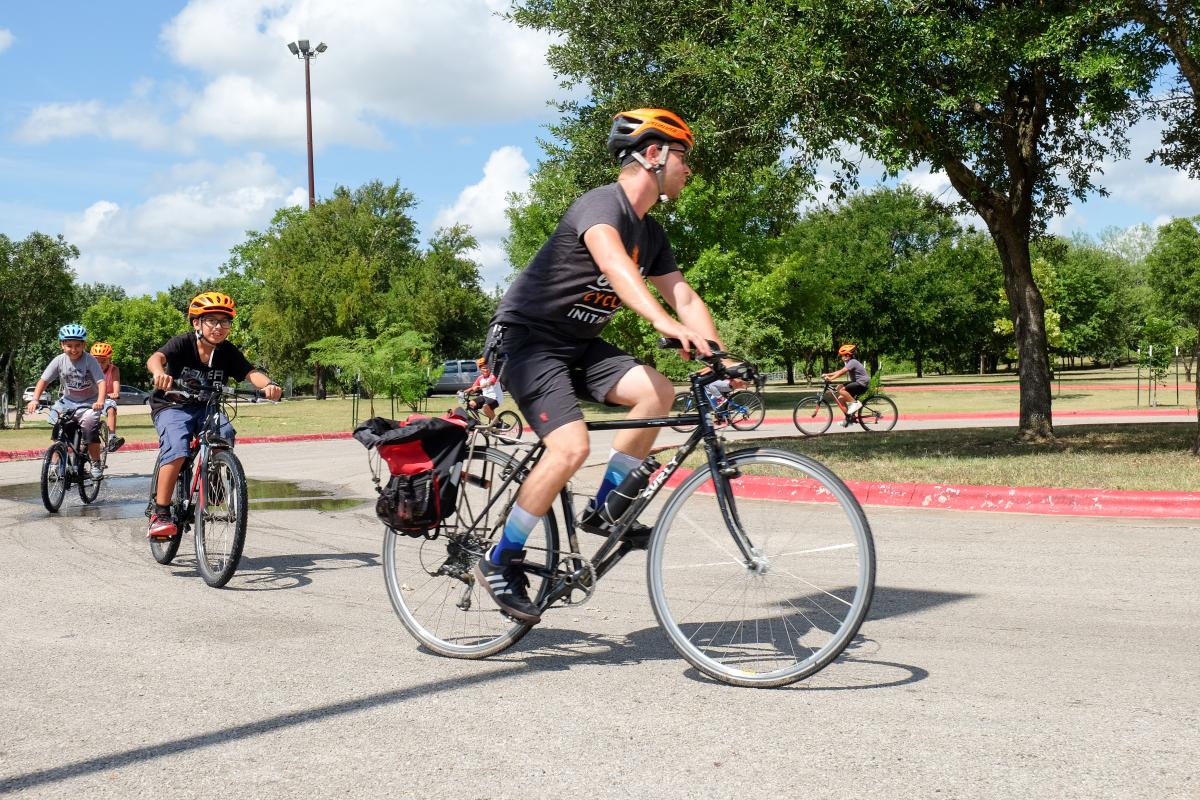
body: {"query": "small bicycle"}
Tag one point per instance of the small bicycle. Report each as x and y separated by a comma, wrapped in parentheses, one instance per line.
(814, 414)
(761, 564)
(743, 409)
(507, 423)
(211, 491)
(67, 461)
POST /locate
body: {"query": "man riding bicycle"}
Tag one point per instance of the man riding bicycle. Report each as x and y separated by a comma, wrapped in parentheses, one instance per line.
(203, 355)
(82, 382)
(102, 352)
(547, 330)
(486, 392)
(849, 392)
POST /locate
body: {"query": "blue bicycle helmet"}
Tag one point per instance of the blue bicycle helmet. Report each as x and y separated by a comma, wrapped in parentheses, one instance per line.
(72, 331)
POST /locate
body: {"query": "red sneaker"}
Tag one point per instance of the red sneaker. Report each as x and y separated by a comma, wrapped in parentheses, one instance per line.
(161, 527)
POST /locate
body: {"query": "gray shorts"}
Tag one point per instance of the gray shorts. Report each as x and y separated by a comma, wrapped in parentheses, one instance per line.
(178, 425)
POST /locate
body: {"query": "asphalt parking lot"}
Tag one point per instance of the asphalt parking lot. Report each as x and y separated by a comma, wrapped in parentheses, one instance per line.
(1005, 656)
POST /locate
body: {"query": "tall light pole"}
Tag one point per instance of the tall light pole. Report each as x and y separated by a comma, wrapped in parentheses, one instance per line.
(300, 49)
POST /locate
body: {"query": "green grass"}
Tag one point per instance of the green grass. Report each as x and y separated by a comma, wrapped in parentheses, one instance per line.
(1143, 456)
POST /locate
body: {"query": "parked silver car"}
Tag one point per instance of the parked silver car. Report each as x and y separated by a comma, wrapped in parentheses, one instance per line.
(456, 376)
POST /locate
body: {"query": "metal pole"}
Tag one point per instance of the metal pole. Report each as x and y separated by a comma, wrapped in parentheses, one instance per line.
(312, 192)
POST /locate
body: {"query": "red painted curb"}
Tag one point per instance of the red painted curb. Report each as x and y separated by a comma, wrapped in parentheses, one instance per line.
(1012, 387)
(27, 455)
(1019, 499)
(1121, 412)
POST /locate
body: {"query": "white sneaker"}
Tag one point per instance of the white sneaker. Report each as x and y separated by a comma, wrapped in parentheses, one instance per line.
(97, 472)
(855, 406)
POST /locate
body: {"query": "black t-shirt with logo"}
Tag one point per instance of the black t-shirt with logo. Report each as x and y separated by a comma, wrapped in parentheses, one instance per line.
(184, 364)
(562, 291)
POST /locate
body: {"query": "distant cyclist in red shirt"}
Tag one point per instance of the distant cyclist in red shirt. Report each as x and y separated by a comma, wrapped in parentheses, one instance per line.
(103, 352)
(487, 387)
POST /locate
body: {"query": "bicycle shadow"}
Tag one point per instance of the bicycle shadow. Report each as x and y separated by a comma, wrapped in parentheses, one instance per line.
(279, 572)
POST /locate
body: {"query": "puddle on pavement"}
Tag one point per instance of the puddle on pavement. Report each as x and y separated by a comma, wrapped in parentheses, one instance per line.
(124, 497)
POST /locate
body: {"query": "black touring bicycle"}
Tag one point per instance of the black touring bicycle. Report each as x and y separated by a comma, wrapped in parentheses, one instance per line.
(760, 566)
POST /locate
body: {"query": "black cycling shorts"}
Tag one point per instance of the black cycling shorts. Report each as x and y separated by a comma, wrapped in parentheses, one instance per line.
(855, 389)
(546, 376)
(481, 401)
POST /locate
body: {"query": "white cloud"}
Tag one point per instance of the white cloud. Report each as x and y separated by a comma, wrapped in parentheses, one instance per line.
(184, 230)
(481, 205)
(6, 39)
(406, 61)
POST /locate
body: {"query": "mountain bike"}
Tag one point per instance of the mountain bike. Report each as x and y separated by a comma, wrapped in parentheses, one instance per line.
(760, 566)
(507, 422)
(210, 493)
(814, 414)
(67, 462)
(743, 409)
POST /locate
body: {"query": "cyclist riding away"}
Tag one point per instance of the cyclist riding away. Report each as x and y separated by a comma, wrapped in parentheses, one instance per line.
(849, 392)
(202, 355)
(82, 383)
(102, 352)
(490, 394)
(548, 324)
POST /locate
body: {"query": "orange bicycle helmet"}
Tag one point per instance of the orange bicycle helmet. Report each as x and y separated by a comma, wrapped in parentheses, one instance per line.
(102, 350)
(211, 303)
(631, 130)
(481, 362)
(847, 350)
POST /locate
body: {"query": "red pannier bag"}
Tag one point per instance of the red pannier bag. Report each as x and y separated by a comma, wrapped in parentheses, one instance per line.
(424, 456)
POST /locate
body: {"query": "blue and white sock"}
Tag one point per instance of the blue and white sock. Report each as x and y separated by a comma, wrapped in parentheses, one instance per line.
(517, 528)
(619, 465)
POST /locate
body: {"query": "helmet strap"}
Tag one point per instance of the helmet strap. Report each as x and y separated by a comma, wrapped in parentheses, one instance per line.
(664, 152)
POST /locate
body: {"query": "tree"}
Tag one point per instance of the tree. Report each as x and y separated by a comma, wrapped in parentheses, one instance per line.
(88, 294)
(37, 293)
(396, 363)
(989, 92)
(135, 327)
(1174, 266)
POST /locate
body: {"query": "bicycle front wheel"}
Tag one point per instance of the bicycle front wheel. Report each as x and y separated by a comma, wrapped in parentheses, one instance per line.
(878, 414)
(430, 581)
(508, 424)
(54, 476)
(793, 605)
(812, 416)
(164, 550)
(746, 410)
(221, 519)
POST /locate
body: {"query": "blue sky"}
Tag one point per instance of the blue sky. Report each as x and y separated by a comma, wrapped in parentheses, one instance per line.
(152, 135)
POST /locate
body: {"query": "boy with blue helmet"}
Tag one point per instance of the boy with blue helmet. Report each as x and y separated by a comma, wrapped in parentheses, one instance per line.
(83, 388)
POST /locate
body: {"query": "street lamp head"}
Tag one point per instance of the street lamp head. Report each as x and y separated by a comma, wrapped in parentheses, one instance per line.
(295, 50)
(304, 46)
(322, 47)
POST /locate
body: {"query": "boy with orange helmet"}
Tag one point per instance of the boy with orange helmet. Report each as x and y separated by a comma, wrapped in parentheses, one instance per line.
(849, 392)
(103, 352)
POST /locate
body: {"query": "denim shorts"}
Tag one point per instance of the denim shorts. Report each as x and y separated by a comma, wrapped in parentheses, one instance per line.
(178, 425)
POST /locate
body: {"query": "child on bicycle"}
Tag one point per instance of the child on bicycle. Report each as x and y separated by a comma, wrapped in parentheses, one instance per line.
(849, 392)
(102, 352)
(203, 355)
(82, 383)
(485, 393)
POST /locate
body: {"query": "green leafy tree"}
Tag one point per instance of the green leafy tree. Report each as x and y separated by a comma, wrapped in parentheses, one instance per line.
(135, 327)
(37, 293)
(992, 93)
(396, 363)
(1174, 267)
(88, 294)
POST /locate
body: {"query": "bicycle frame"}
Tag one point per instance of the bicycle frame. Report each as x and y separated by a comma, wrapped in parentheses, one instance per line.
(615, 547)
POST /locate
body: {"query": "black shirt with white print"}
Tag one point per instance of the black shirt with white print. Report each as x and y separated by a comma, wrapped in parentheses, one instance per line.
(562, 290)
(184, 364)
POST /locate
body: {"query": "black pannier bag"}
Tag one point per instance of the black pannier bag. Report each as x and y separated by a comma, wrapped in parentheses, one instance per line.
(424, 456)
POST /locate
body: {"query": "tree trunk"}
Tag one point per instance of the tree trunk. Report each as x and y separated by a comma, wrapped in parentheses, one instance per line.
(319, 381)
(790, 365)
(1029, 325)
(919, 363)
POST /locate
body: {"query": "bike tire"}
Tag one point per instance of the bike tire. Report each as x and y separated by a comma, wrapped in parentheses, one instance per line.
(746, 410)
(54, 478)
(221, 518)
(682, 405)
(508, 424)
(812, 416)
(164, 550)
(430, 582)
(879, 413)
(797, 605)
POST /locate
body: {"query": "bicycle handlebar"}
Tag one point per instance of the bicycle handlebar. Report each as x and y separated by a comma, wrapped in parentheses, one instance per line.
(199, 391)
(743, 370)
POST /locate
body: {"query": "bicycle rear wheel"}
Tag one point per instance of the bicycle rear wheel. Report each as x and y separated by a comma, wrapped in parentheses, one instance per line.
(508, 424)
(430, 582)
(746, 410)
(794, 606)
(54, 476)
(682, 405)
(812, 416)
(221, 518)
(878, 414)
